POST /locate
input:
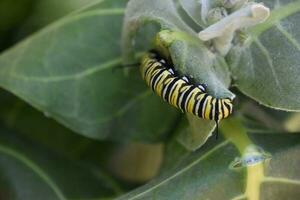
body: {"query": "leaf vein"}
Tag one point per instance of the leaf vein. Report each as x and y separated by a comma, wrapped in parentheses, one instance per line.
(281, 180)
(80, 75)
(240, 197)
(270, 62)
(290, 38)
(120, 111)
(226, 142)
(10, 152)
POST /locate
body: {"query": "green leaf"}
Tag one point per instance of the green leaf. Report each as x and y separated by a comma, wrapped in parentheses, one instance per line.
(47, 11)
(193, 9)
(206, 173)
(69, 70)
(142, 13)
(32, 172)
(29, 123)
(199, 176)
(267, 67)
(261, 119)
(195, 133)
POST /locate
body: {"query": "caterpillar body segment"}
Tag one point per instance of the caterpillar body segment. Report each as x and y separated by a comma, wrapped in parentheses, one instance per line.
(180, 91)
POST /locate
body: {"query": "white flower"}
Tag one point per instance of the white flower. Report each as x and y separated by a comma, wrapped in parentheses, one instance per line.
(222, 32)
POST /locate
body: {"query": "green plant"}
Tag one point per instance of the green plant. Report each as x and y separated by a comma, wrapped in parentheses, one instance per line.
(71, 71)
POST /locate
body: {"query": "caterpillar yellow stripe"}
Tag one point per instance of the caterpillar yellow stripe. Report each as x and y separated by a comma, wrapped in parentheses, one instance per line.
(180, 91)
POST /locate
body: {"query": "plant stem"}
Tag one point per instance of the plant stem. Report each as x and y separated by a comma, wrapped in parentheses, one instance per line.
(234, 131)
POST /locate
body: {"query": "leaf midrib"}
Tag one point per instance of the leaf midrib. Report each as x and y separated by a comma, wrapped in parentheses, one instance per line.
(180, 172)
(10, 152)
(87, 72)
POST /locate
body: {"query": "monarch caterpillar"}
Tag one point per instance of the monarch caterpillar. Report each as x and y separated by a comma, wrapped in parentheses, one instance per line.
(181, 91)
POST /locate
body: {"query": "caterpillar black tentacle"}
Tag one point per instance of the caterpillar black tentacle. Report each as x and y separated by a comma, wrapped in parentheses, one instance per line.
(181, 91)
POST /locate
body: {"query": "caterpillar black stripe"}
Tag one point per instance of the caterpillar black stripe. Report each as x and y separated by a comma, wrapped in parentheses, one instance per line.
(180, 91)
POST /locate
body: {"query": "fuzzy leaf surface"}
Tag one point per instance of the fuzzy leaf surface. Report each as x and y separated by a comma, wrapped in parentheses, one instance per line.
(70, 70)
(267, 66)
